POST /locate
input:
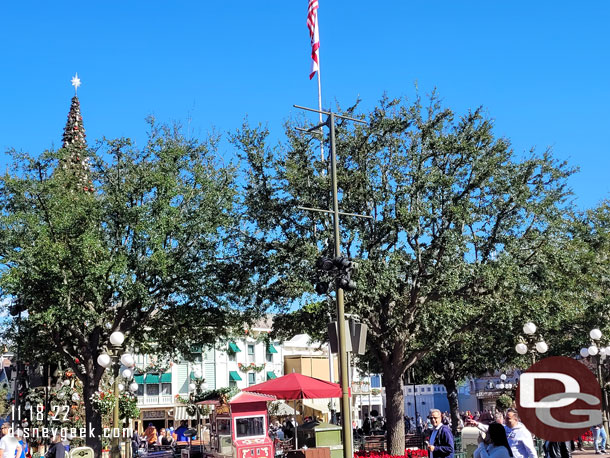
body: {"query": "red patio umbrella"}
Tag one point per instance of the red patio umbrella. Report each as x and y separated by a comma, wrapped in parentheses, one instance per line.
(297, 386)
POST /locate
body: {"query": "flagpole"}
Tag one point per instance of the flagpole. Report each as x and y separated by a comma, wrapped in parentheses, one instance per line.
(320, 95)
(320, 108)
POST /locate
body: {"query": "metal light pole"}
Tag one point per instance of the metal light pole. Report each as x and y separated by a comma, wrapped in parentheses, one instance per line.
(115, 451)
(115, 359)
(342, 338)
(597, 352)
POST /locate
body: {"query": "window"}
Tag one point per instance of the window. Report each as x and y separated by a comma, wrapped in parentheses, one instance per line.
(223, 426)
(251, 378)
(251, 349)
(140, 391)
(232, 384)
(250, 427)
(152, 389)
(166, 388)
(429, 389)
(269, 357)
(376, 381)
(232, 357)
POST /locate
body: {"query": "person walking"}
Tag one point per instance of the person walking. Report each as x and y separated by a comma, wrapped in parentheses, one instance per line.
(498, 444)
(557, 449)
(9, 444)
(57, 450)
(599, 439)
(519, 438)
(441, 440)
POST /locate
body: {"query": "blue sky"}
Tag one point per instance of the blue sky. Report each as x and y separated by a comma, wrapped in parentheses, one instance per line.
(541, 69)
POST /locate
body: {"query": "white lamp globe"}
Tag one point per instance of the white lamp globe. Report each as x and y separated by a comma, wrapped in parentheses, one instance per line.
(192, 387)
(117, 338)
(521, 348)
(127, 373)
(104, 360)
(508, 386)
(75, 397)
(595, 334)
(593, 350)
(121, 387)
(608, 350)
(204, 387)
(501, 386)
(197, 372)
(503, 377)
(60, 395)
(127, 360)
(529, 328)
(584, 352)
(602, 351)
(66, 382)
(542, 347)
(133, 387)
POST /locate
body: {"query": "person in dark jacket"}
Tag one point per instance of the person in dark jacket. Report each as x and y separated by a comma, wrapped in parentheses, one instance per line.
(441, 440)
(557, 449)
(57, 450)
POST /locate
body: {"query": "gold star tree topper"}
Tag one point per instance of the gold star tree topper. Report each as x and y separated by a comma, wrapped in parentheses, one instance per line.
(75, 82)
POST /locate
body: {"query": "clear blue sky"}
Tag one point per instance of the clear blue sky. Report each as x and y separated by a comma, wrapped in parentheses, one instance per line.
(540, 68)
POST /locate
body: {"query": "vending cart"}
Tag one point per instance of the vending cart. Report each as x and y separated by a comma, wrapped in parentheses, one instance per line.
(240, 427)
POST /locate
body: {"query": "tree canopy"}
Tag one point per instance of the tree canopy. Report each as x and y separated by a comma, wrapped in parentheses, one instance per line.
(458, 222)
(149, 250)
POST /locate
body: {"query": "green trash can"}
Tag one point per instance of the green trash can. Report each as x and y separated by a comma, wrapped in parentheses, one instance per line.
(318, 434)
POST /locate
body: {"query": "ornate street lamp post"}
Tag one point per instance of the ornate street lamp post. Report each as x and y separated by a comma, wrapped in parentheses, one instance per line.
(116, 359)
(598, 354)
(532, 342)
(197, 386)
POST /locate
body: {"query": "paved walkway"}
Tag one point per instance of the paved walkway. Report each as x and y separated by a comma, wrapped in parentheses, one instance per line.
(588, 451)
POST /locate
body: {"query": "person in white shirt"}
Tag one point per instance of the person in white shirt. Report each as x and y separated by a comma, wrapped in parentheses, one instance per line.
(498, 447)
(519, 438)
(9, 445)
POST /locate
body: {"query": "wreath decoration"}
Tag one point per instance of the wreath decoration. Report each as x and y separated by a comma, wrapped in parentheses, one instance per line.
(250, 367)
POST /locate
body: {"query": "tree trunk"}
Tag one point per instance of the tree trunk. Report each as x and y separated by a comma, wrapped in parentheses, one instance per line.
(395, 409)
(92, 417)
(454, 407)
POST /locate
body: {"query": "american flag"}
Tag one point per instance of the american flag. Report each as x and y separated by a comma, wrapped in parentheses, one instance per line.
(312, 25)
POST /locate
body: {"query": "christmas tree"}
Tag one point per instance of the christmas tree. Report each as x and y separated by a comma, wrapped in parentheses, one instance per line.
(75, 161)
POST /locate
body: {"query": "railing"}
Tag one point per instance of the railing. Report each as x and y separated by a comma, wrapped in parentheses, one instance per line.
(164, 399)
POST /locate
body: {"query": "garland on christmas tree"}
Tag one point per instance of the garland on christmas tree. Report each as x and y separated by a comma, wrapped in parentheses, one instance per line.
(76, 162)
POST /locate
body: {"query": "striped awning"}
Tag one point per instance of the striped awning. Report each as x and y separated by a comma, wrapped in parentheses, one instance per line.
(271, 375)
(166, 378)
(234, 376)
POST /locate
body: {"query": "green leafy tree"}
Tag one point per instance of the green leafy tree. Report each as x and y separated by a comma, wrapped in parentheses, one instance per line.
(311, 319)
(146, 249)
(446, 197)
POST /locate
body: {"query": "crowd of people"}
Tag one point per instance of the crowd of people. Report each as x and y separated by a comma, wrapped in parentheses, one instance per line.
(14, 445)
(152, 437)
